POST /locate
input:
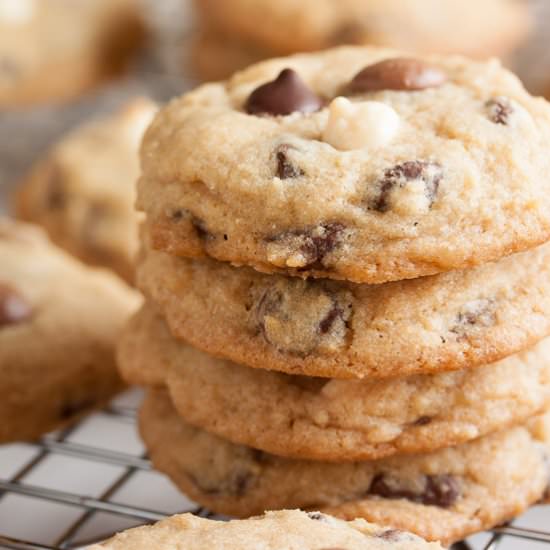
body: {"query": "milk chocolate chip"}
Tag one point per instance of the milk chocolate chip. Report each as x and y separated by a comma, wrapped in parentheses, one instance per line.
(399, 73)
(14, 308)
(285, 95)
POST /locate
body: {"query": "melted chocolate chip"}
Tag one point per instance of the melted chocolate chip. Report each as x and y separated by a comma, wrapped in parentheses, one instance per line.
(285, 95)
(439, 490)
(391, 535)
(285, 168)
(313, 243)
(499, 110)
(430, 173)
(184, 215)
(397, 74)
(300, 316)
(14, 308)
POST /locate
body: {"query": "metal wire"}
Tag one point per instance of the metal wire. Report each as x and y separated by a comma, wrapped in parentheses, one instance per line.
(59, 445)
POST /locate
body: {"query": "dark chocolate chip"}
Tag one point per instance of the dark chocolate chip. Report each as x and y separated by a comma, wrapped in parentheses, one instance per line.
(422, 421)
(399, 73)
(184, 215)
(326, 323)
(439, 490)
(317, 516)
(430, 173)
(314, 243)
(286, 169)
(14, 308)
(200, 228)
(285, 95)
(499, 110)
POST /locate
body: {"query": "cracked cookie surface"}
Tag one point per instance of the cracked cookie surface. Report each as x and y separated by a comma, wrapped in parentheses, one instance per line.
(354, 163)
(338, 329)
(445, 495)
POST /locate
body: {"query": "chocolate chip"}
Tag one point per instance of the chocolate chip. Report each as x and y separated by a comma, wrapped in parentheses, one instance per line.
(14, 308)
(310, 246)
(422, 421)
(298, 316)
(391, 535)
(399, 73)
(438, 490)
(317, 516)
(285, 168)
(499, 110)
(477, 313)
(285, 95)
(430, 173)
(199, 226)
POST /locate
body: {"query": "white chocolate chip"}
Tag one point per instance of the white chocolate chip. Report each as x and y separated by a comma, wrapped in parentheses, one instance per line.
(17, 12)
(369, 124)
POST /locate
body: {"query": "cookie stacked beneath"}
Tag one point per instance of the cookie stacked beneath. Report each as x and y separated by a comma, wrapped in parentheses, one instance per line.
(353, 242)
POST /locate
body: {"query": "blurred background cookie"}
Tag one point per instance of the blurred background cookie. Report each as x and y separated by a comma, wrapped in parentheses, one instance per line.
(52, 51)
(235, 33)
(82, 192)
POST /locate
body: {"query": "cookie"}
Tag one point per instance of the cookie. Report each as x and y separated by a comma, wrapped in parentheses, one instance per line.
(59, 322)
(289, 26)
(443, 496)
(354, 163)
(54, 51)
(83, 191)
(337, 329)
(334, 420)
(284, 530)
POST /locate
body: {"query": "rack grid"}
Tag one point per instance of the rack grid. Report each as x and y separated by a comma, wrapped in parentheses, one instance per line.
(128, 465)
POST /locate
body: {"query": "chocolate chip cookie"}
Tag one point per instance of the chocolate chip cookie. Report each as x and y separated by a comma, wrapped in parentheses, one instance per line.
(83, 191)
(445, 495)
(337, 329)
(59, 322)
(334, 420)
(285, 530)
(235, 28)
(53, 51)
(354, 163)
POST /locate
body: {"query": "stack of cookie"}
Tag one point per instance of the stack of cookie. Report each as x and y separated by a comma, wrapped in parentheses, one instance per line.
(353, 242)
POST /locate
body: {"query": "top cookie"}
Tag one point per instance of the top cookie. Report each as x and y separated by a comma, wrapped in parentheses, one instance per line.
(55, 50)
(285, 530)
(83, 191)
(287, 26)
(355, 163)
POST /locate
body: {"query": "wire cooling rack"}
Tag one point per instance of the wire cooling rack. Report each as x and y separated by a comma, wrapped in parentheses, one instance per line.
(82, 484)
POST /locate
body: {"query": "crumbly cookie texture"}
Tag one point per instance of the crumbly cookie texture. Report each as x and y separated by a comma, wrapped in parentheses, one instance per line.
(59, 323)
(249, 171)
(334, 420)
(83, 191)
(53, 51)
(287, 26)
(445, 495)
(337, 329)
(284, 530)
